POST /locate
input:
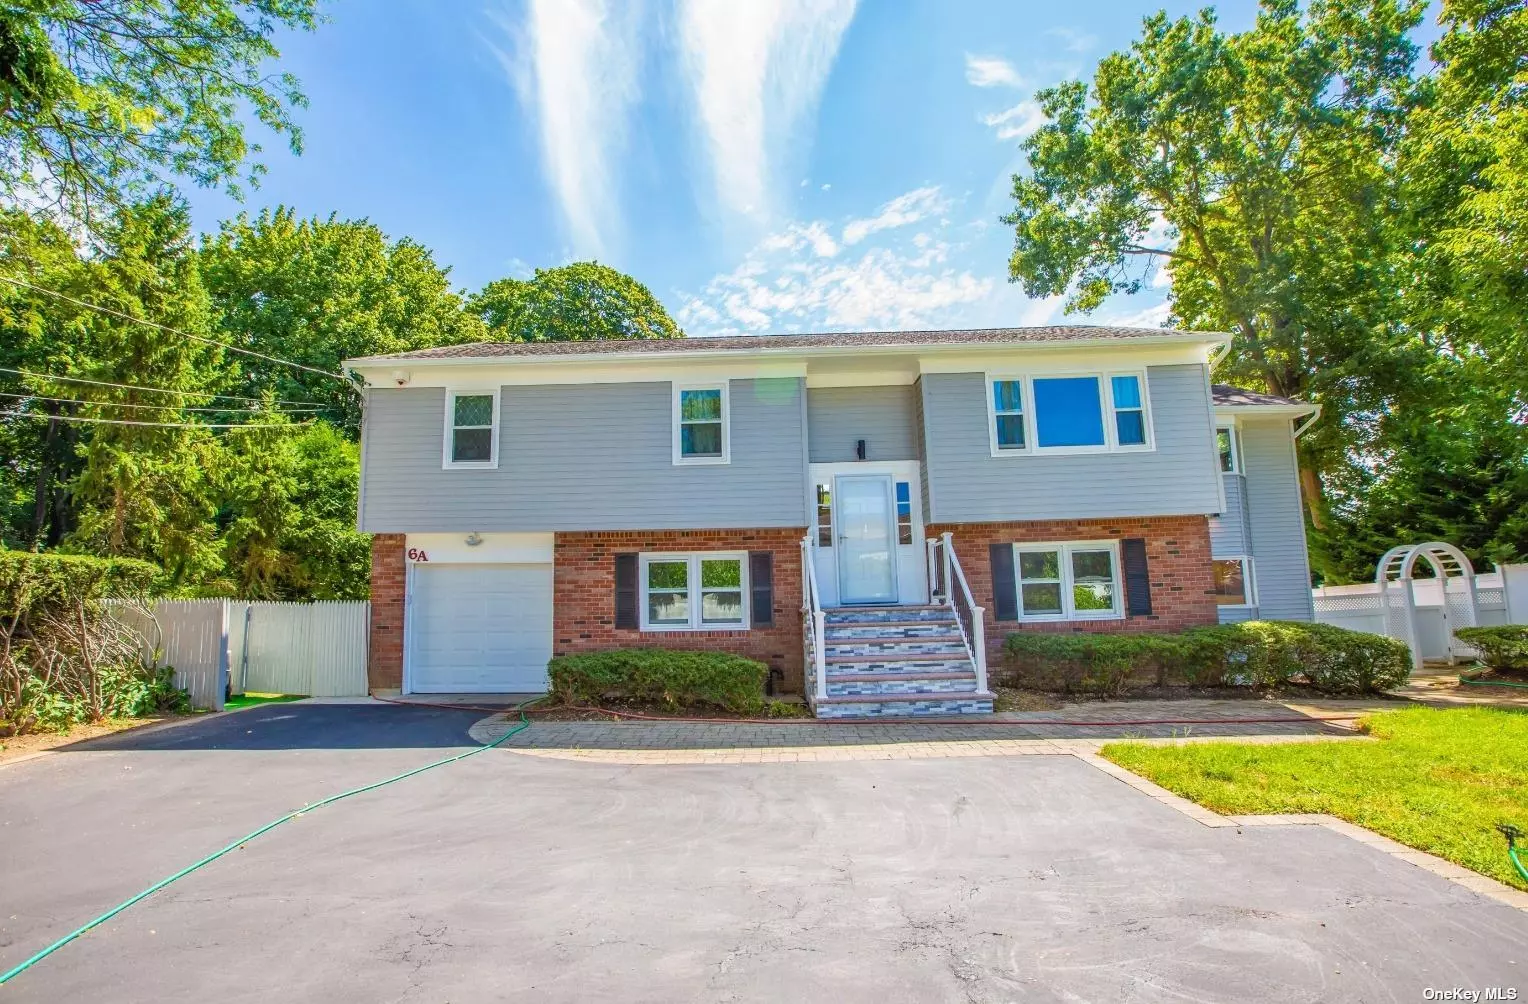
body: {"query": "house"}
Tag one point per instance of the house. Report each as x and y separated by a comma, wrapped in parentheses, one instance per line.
(871, 514)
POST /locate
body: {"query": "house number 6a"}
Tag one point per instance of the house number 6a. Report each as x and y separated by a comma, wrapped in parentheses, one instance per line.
(417, 554)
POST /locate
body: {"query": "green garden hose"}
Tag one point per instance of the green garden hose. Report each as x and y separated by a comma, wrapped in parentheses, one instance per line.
(12, 973)
(1512, 833)
(1489, 683)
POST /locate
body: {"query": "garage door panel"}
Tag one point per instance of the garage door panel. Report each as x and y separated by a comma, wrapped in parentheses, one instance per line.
(480, 628)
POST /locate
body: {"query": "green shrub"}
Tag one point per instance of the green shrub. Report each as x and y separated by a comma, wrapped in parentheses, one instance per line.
(1503, 648)
(1249, 654)
(672, 679)
(1089, 663)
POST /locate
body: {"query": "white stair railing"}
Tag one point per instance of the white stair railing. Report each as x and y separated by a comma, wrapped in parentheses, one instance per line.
(813, 622)
(944, 570)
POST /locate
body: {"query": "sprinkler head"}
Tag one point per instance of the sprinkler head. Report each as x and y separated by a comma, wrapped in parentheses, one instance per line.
(1512, 833)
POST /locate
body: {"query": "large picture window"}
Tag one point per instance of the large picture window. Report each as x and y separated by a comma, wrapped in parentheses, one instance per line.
(694, 592)
(1068, 413)
(472, 437)
(700, 424)
(1071, 581)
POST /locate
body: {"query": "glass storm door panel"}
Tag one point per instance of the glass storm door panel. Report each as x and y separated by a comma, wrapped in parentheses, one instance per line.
(867, 566)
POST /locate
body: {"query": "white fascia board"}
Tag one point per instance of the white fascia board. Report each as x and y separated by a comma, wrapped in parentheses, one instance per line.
(1245, 411)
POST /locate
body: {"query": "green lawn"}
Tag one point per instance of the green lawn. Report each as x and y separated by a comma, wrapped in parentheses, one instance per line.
(1436, 780)
(238, 701)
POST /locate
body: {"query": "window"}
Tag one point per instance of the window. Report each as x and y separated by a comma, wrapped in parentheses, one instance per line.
(1074, 413)
(700, 425)
(1225, 444)
(693, 592)
(1008, 413)
(1129, 411)
(472, 437)
(904, 512)
(824, 515)
(1233, 582)
(1068, 581)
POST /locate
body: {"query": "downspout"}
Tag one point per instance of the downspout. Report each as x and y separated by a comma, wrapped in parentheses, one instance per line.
(1301, 429)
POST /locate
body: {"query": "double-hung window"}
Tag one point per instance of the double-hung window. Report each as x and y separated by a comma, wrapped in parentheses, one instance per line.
(694, 592)
(1233, 582)
(472, 429)
(701, 424)
(1225, 445)
(1073, 581)
(1068, 413)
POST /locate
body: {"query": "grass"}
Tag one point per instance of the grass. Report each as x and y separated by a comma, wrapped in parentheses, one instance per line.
(238, 701)
(1438, 780)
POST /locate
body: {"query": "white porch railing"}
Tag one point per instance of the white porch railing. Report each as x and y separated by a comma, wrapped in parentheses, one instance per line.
(947, 585)
(813, 622)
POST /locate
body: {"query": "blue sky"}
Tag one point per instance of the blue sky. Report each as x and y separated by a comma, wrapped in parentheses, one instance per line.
(762, 165)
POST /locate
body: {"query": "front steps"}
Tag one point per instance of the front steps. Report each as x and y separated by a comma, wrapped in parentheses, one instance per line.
(897, 662)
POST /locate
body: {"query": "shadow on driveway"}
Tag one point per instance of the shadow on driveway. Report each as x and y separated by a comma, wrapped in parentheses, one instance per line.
(304, 727)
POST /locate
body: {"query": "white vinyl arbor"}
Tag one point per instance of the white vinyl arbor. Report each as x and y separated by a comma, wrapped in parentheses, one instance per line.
(1456, 580)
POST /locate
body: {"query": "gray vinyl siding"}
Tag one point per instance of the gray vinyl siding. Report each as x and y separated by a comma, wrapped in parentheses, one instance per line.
(585, 457)
(1275, 520)
(968, 484)
(1230, 536)
(884, 417)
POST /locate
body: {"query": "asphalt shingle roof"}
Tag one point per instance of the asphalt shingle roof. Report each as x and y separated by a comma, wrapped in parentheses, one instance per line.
(1228, 396)
(1049, 334)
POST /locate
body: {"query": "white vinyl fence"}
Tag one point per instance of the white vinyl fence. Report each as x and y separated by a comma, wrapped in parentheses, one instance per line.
(1501, 597)
(317, 649)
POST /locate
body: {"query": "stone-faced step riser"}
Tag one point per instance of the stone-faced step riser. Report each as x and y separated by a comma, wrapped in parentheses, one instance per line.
(907, 709)
(899, 614)
(869, 688)
(933, 629)
(953, 648)
(901, 667)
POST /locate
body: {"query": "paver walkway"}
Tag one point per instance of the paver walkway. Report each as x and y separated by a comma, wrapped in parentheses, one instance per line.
(1135, 719)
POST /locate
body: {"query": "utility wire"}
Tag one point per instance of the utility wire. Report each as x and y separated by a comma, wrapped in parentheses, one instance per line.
(152, 407)
(156, 425)
(156, 390)
(174, 331)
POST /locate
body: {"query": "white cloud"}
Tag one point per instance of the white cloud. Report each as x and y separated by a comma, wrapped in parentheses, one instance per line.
(575, 65)
(1017, 122)
(1154, 316)
(990, 71)
(799, 279)
(909, 207)
(1073, 40)
(757, 69)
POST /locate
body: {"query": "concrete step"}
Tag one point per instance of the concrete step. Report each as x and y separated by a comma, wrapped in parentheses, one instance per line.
(895, 630)
(889, 615)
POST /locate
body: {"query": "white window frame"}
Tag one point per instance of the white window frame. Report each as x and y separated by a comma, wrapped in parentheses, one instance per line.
(694, 589)
(1236, 463)
(1249, 581)
(1032, 447)
(450, 430)
(1068, 611)
(724, 387)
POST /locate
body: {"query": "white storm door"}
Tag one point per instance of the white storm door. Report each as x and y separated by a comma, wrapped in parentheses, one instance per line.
(864, 518)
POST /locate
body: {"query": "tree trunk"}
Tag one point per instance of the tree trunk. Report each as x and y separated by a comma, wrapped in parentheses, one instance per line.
(43, 491)
(1313, 493)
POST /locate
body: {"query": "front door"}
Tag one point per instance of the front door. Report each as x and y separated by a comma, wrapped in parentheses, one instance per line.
(867, 561)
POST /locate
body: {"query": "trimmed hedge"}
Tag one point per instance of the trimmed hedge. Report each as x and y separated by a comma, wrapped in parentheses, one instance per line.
(1504, 647)
(1249, 654)
(672, 679)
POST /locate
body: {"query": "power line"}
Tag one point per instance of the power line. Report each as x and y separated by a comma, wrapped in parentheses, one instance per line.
(156, 425)
(174, 331)
(152, 407)
(155, 390)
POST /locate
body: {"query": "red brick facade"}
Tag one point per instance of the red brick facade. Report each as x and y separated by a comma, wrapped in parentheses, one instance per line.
(583, 606)
(1177, 559)
(384, 664)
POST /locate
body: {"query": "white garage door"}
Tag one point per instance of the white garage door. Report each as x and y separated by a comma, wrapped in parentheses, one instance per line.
(480, 629)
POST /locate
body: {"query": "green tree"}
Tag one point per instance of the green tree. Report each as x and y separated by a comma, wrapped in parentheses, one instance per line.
(103, 100)
(148, 491)
(1255, 168)
(289, 516)
(316, 292)
(585, 301)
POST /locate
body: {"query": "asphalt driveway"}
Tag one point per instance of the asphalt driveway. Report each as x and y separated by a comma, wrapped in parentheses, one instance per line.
(507, 877)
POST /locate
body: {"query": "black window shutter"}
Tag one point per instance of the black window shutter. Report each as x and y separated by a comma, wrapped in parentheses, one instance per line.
(1005, 591)
(626, 591)
(1137, 578)
(761, 584)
